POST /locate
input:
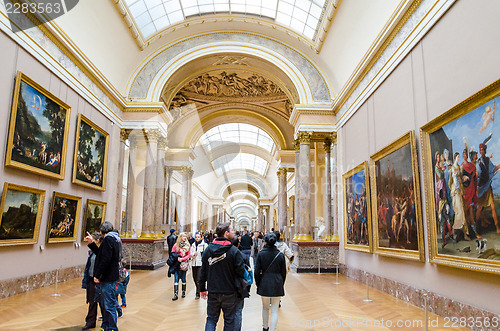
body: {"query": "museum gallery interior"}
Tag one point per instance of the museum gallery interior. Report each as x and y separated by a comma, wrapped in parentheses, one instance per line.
(364, 130)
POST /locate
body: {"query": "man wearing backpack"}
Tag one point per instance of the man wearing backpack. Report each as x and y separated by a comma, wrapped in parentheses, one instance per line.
(222, 265)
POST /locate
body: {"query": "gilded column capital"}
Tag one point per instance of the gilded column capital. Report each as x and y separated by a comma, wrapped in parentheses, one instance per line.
(186, 170)
(162, 142)
(169, 171)
(296, 144)
(327, 145)
(124, 133)
(151, 134)
(304, 137)
(281, 172)
(334, 138)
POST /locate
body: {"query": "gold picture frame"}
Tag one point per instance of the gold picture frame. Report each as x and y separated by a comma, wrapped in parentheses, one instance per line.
(38, 131)
(18, 225)
(63, 218)
(396, 200)
(90, 161)
(358, 235)
(91, 222)
(462, 209)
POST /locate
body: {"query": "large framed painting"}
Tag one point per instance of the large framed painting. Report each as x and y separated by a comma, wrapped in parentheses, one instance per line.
(95, 213)
(63, 218)
(357, 217)
(397, 217)
(461, 162)
(20, 214)
(91, 155)
(38, 132)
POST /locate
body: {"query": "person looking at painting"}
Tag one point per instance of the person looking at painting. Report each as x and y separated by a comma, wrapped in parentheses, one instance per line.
(486, 171)
(106, 275)
(90, 286)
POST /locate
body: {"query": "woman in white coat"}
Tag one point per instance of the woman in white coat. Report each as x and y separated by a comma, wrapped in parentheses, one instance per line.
(197, 249)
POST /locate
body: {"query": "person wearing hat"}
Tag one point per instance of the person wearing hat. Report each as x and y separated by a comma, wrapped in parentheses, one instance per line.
(171, 240)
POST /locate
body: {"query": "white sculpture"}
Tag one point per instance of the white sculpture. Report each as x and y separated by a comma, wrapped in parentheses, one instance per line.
(320, 224)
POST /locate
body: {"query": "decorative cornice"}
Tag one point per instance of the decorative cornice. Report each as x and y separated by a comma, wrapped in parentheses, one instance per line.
(334, 138)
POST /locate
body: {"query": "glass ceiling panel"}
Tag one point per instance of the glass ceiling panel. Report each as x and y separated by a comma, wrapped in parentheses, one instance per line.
(152, 16)
(236, 133)
(233, 161)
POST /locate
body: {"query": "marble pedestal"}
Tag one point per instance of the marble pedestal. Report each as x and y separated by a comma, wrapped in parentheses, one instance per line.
(313, 255)
(145, 254)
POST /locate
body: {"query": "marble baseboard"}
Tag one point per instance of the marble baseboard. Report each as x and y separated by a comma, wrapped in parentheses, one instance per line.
(144, 254)
(437, 304)
(20, 285)
(311, 256)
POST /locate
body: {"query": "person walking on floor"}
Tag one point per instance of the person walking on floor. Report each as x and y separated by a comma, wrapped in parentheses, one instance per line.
(222, 264)
(197, 249)
(89, 285)
(171, 240)
(122, 288)
(270, 276)
(183, 249)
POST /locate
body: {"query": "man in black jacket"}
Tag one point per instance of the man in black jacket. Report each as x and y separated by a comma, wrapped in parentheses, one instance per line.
(106, 272)
(171, 240)
(246, 245)
(222, 264)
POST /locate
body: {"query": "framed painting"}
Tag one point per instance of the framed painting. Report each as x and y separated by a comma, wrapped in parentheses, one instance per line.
(357, 217)
(461, 162)
(38, 131)
(397, 217)
(95, 213)
(63, 218)
(20, 214)
(91, 155)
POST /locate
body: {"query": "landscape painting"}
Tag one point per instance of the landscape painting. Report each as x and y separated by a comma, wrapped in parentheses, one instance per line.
(462, 161)
(396, 200)
(357, 217)
(63, 218)
(20, 214)
(38, 130)
(91, 149)
(94, 215)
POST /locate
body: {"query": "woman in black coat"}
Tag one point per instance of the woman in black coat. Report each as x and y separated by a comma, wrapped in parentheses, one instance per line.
(270, 275)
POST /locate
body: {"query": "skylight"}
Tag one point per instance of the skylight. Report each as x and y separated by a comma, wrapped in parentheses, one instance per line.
(237, 133)
(152, 16)
(247, 161)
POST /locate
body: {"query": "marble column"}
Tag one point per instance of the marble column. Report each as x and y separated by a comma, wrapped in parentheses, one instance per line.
(189, 215)
(296, 212)
(160, 187)
(266, 227)
(149, 202)
(185, 208)
(335, 195)
(328, 190)
(282, 199)
(129, 204)
(305, 230)
(120, 223)
(167, 207)
(258, 226)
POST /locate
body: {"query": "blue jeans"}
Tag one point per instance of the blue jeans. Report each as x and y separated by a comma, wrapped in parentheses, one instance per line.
(180, 274)
(238, 314)
(217, 302)
(109, 301)
(124, 300)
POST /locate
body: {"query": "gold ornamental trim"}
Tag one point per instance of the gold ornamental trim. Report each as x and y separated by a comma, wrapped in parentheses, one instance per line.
(304, 137)
(281, 172)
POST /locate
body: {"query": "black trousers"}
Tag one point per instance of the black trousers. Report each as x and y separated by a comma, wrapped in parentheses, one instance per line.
(91, 318)
(196, 278)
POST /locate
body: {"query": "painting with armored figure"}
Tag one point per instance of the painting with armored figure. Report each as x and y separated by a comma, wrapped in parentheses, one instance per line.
(38, 130)
(357, 217)
(64, 218)
(20, 214)
(462, 160)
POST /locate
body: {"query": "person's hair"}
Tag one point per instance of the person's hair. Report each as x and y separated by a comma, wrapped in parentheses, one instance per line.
(106, 227)
(97, 237)
(277, 234)
(179, 238)
(221, 229)
(270, 239)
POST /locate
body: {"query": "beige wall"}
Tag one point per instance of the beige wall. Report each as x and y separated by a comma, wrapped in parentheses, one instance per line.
(457, 58)
(25, 260)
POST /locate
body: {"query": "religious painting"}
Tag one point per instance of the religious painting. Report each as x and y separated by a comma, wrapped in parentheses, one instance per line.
(397, 218)
(91, 154)
(38, 132)
(461, 163)
(357, 217)
(63, 218)
(95, 212)
(20, 214)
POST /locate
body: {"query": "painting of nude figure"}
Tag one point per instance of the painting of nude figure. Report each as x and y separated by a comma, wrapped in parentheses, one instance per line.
(396, 200)
(462, 160)
(63, 218)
